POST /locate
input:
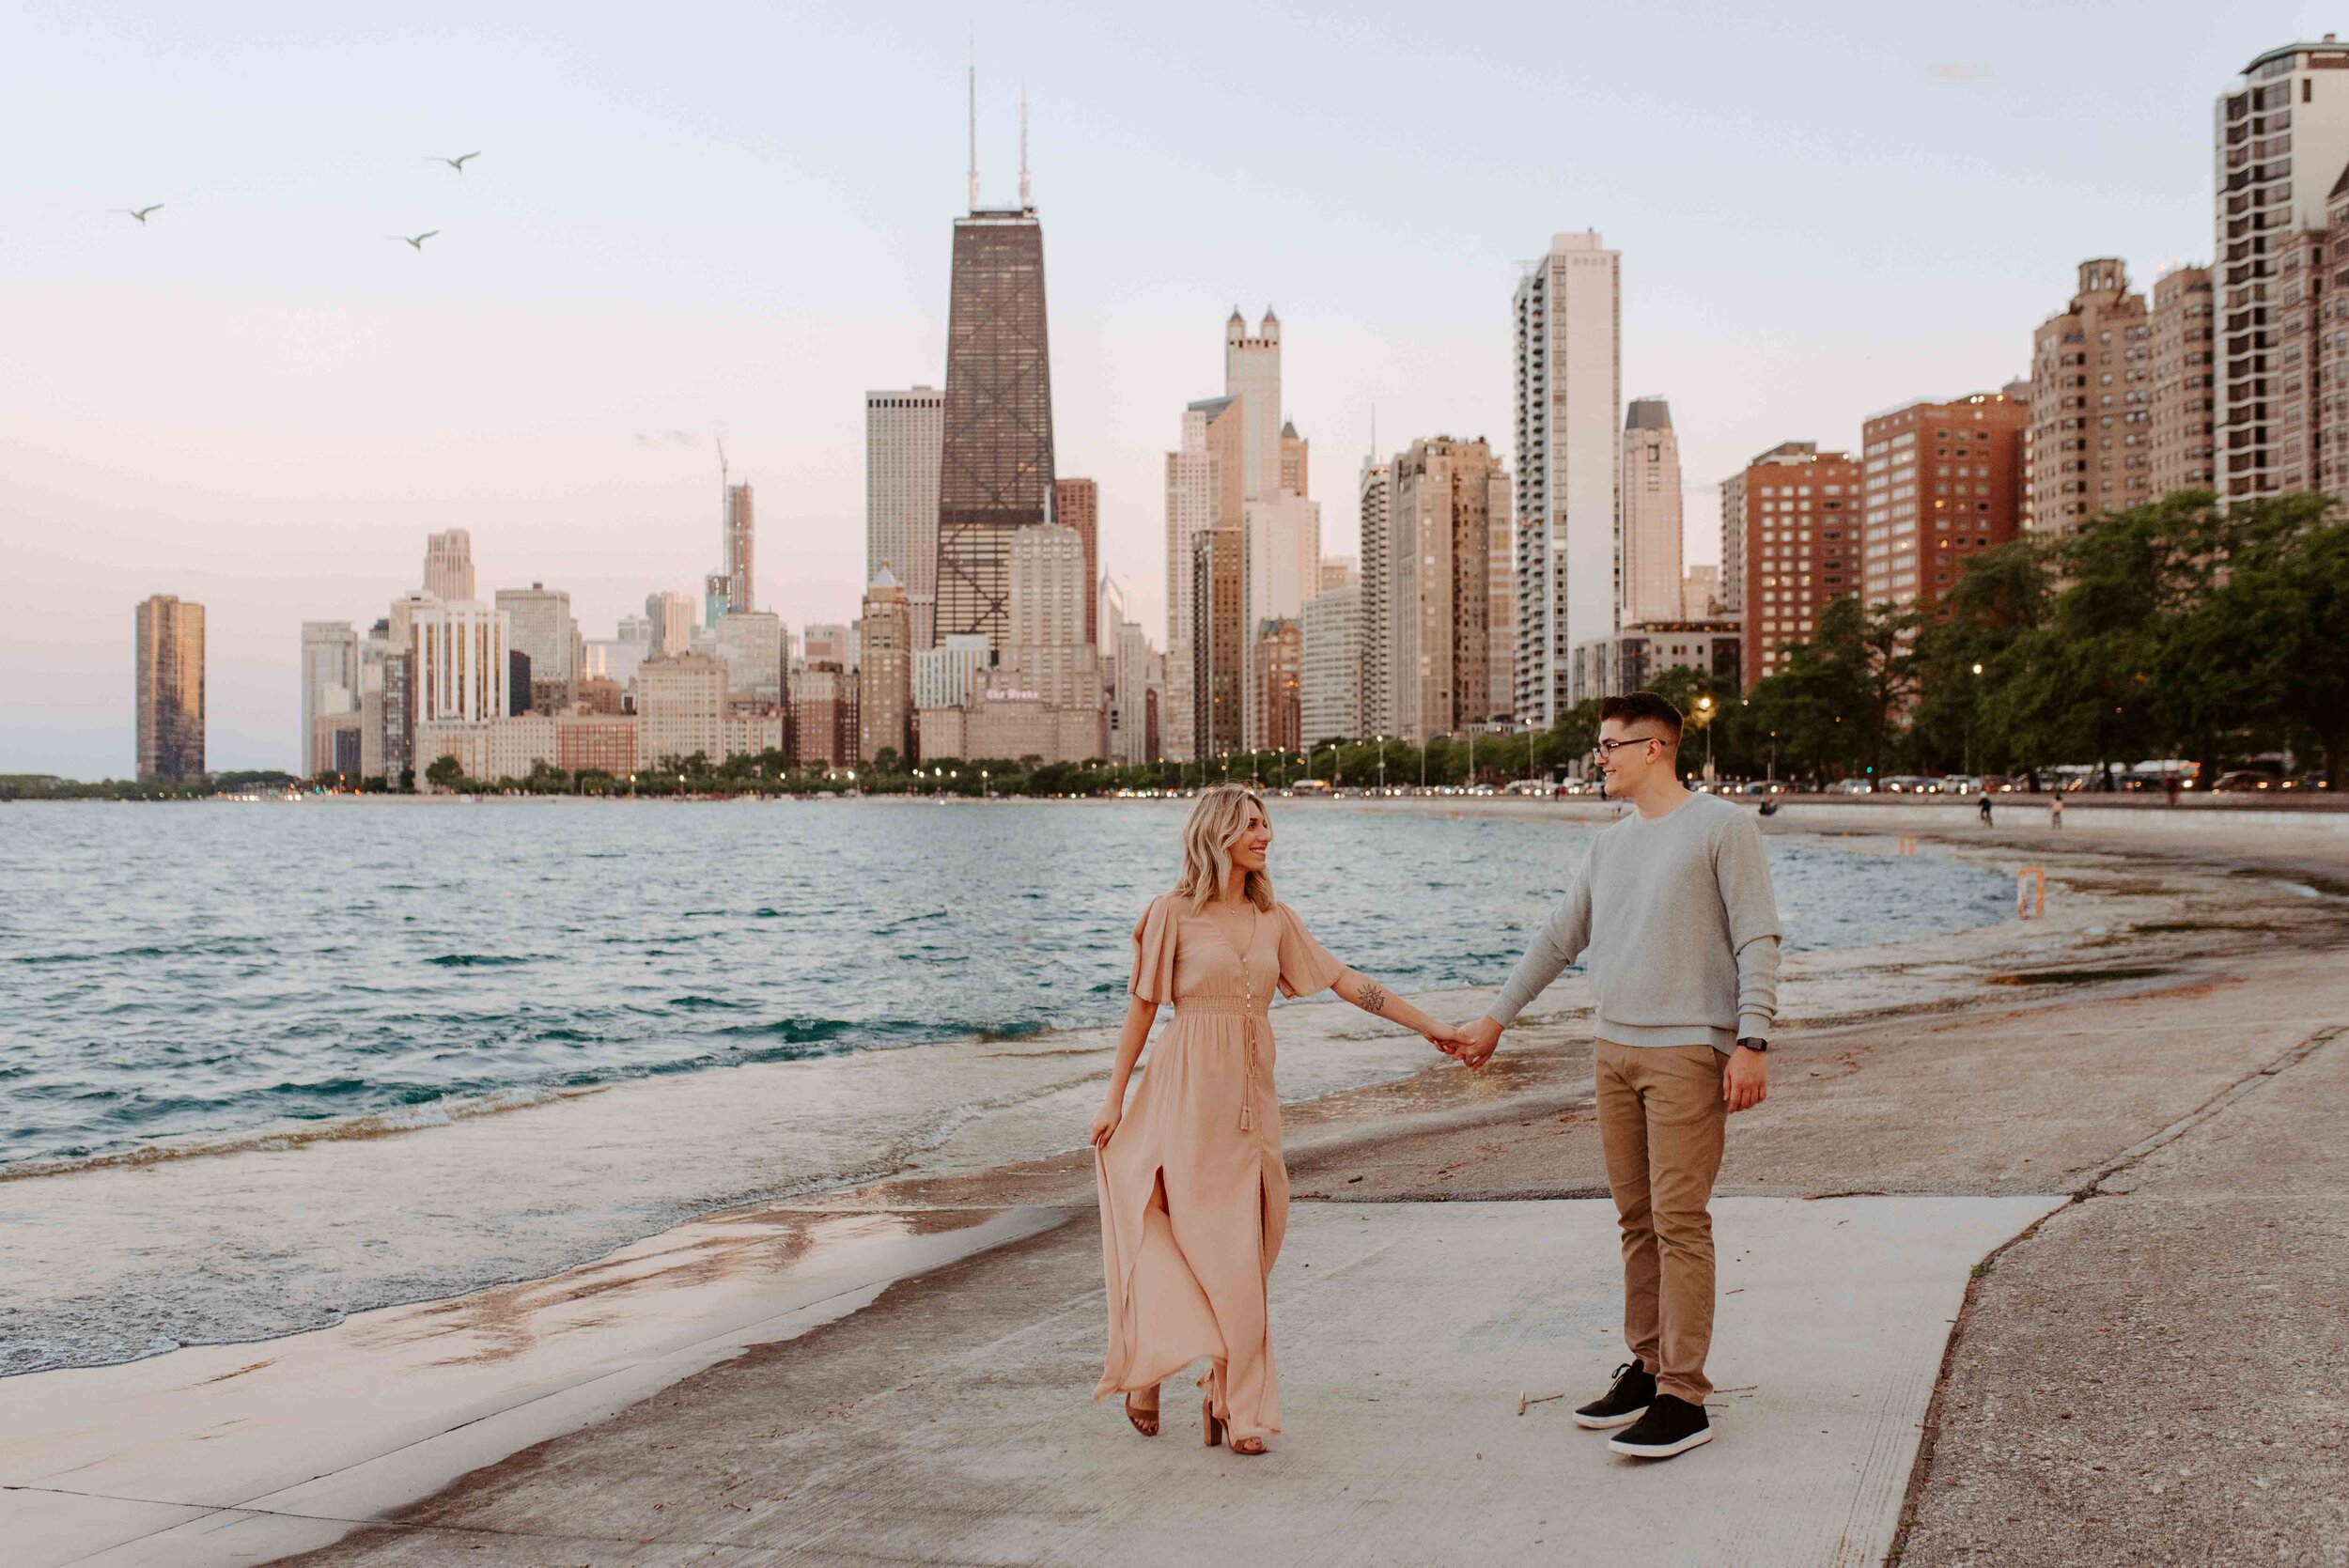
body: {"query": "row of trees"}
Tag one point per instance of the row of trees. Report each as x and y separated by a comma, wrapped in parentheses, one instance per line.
(1354, 763)
(49, 786)
(2178, 628)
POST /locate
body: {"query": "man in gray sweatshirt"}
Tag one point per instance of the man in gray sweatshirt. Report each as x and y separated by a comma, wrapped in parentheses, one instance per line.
(1672, 909)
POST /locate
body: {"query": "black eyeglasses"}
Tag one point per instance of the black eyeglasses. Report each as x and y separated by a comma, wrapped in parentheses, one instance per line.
(1606, 749)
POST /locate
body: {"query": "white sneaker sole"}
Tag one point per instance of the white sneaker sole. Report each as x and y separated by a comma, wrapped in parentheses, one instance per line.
(1661, 1450)
(1607, 1423)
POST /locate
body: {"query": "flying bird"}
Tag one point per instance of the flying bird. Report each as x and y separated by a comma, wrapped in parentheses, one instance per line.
(413, 241)
(138, 212)
(458, 164)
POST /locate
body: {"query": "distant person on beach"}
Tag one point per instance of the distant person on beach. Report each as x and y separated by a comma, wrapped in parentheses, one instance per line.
(1985, 805)
(2055, 810)
(1194, 1197)
(1674, 911)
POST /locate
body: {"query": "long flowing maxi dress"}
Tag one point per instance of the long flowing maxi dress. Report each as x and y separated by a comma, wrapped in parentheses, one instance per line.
(1195, 1196)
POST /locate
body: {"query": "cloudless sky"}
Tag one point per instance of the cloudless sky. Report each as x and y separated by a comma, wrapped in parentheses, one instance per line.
(733, 219)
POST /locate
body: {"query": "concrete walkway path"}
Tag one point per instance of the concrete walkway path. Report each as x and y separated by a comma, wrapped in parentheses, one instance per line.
(948, 1423)
(2160, 1372)
(241, 1452)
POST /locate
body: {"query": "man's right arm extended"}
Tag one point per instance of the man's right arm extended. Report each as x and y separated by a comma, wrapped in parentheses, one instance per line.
(1558, 943)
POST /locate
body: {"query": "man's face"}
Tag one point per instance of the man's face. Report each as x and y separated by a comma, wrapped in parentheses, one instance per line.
(1629, 766)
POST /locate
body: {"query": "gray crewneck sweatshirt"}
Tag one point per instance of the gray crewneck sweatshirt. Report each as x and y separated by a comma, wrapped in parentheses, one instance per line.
(1675, 917)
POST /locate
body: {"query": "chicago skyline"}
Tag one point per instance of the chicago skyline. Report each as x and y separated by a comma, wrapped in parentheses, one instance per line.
(597, 598)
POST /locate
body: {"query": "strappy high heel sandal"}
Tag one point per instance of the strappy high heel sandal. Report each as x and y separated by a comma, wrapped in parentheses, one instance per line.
(1145, 1422)
(1217, 1433)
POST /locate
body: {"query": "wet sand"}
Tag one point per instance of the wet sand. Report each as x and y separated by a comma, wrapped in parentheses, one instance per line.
(2170, 976)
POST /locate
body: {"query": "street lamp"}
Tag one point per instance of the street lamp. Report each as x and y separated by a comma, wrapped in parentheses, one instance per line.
(1705, 707)
(1382, 765)
(1972, 696)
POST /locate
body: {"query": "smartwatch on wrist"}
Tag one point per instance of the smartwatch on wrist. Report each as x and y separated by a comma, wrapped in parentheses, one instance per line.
(1758, 1046)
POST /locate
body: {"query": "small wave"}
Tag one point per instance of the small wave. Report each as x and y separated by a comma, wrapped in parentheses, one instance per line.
(705, 1004)
(474, 960)
(324, 1089)
(351, 1128)
(903, 921)
(43, 960)
(796, 1032)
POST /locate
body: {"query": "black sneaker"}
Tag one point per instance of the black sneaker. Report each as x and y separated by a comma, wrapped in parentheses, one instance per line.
(1671, 1425)
(1626, 1403)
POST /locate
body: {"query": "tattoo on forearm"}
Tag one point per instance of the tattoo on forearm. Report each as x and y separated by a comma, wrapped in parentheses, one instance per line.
(1371, 998)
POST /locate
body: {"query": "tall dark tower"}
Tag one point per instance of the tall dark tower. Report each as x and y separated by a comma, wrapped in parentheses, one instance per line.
(995, 460)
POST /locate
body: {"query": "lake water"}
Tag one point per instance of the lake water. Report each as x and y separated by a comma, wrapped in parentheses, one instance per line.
(256, 1061)
(215, 968)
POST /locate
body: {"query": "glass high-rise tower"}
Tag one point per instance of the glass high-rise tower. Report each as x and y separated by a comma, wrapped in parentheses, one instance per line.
(170, 661)
(1570, 402)
(995, 458)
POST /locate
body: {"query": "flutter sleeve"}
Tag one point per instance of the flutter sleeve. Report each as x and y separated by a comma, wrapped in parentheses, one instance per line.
(1306, 966)
(1153, 952)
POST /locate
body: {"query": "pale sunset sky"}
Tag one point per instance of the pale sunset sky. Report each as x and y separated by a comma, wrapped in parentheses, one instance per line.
(733, 219)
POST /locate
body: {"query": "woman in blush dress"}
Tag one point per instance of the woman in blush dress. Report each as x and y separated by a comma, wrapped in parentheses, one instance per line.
(1194, 1197)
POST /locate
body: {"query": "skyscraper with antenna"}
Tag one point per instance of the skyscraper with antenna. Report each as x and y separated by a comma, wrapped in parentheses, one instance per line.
(995, 458)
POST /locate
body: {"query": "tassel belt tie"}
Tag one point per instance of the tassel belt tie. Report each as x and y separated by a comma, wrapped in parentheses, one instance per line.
(1256, 1013)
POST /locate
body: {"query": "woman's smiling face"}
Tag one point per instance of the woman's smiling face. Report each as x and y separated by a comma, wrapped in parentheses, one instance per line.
(1254, 842)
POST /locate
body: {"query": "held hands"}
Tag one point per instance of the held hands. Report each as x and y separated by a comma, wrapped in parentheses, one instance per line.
(1478, 1042)
(1444, 1037)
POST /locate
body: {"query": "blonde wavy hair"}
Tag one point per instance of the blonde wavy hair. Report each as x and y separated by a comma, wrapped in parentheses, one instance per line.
(1216, 821)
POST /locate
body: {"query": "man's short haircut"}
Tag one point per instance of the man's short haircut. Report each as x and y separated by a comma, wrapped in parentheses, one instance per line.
(1636, 705)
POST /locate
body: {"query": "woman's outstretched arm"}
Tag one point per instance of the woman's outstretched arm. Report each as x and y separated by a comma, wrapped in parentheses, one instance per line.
(1370, 997)
(1139, 1016)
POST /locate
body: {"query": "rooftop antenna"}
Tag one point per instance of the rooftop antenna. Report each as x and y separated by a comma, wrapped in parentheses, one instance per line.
(975, 119)
(1026, 202)
(725, 501)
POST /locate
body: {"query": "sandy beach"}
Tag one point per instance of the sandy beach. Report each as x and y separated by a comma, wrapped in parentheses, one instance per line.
(2020, 1259)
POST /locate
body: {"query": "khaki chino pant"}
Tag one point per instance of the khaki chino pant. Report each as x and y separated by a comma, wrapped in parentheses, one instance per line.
(1660, 1118)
